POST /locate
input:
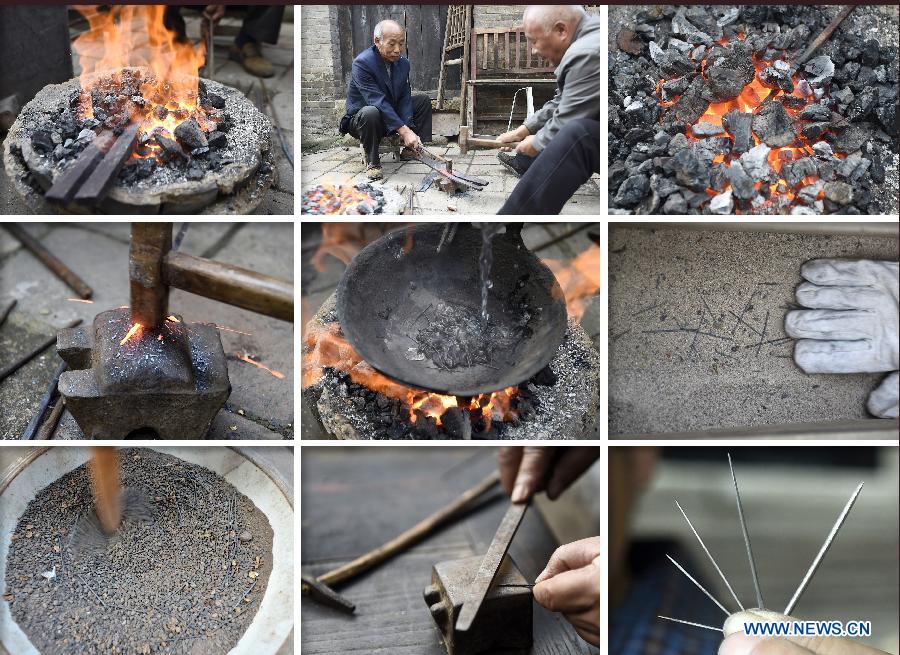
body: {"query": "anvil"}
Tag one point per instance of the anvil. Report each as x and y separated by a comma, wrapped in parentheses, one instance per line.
(504, 621)
(172, 379)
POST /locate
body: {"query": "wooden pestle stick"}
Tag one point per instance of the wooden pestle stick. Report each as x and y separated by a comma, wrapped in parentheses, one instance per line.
(106, 487)
(409, 537)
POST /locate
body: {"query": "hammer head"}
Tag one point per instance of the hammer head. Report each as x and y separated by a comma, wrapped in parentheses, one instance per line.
(325, 595)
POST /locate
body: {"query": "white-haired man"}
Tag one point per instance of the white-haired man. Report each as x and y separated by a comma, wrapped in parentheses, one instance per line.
(380, 100)
(570, 39)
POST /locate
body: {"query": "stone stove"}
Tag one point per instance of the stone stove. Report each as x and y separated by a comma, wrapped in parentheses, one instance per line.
(213, 157)
(352, 401)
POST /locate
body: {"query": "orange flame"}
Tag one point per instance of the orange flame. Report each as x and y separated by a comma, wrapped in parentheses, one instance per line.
(324, 347)
(749, 100)
(122, 36)
(274, 373)
(134, 331)
(579, 279)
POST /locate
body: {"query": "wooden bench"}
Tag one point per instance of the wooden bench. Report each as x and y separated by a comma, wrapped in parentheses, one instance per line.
(501, 60)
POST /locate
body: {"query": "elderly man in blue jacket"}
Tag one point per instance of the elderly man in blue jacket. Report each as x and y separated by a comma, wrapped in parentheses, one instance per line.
(380, 101)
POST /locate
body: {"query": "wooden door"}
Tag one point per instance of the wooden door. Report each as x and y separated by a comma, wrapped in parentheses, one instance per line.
(424, 25)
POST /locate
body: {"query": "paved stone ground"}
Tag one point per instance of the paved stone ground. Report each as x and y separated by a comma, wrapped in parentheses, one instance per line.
(260, 406)
(280, 108)
(343, 165)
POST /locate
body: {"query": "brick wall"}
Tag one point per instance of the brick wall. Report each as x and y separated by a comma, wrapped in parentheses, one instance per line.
(318, 71)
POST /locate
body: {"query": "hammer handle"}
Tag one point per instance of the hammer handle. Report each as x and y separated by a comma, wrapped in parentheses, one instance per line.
(490, 143)
(414, 534)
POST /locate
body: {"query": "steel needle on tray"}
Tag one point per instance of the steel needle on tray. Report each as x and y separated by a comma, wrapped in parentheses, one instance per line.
(828, 541)
(699, 586)
(709, 555)
(737, 495)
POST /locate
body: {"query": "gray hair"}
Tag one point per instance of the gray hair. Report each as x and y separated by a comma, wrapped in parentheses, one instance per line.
(379, 29)
(548, 15)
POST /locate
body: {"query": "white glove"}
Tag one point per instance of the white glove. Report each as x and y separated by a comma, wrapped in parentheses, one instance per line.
(852, 323)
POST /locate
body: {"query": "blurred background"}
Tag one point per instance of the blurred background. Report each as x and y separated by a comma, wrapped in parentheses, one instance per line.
(791, 497)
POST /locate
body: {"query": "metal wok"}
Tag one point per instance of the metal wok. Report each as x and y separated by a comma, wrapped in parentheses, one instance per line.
(413, 312)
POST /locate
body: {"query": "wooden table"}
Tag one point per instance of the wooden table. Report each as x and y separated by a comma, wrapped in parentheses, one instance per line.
(354, 499)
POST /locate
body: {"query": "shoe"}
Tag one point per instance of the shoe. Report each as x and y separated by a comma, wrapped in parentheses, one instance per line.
(250, 57)
(516, 163)
(374, 173)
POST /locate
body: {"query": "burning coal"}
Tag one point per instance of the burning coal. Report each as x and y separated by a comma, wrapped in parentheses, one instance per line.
(349, 199)
(725, 117)
(170, 142)
(326, 348)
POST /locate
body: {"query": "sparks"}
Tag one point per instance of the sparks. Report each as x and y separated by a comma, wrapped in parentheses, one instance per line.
(277, 374)
(86, 302)
(228, 329)
(173, 319)
(135, 329)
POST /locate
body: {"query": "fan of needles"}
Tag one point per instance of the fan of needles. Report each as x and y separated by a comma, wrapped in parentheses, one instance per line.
(759, 599)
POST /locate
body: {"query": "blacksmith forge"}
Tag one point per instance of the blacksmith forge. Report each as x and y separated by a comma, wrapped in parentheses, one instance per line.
(503, 625)
(141, 367)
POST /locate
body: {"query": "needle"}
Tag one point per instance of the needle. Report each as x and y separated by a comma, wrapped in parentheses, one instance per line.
(709, 555)
(828, 541)
(737, 495)
(696, 625)
(699, 586)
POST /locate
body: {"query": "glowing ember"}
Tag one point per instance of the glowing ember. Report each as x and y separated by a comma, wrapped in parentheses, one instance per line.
(274, 373)
(330, 199)
(324, 347)
(134, 331)
(750, 101)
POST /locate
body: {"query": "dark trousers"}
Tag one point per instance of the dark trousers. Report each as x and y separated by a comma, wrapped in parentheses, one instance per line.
(368, 126)
(557, 172)
(261, 23)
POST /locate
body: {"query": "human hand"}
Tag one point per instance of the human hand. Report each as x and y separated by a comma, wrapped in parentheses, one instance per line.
(526, 147)
(513, 137)
(738, 643)
(214, 13)
(852, 323)
(526, 470)
(570, 584)
(409, 138)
